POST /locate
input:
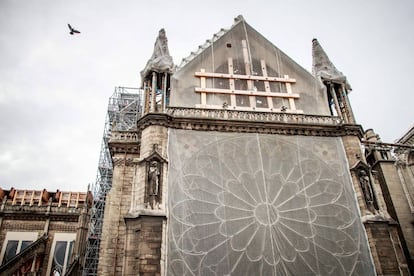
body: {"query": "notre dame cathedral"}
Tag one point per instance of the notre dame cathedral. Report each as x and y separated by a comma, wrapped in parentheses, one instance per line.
(245, 163)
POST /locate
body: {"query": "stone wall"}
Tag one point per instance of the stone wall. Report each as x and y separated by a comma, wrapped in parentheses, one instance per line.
(387, 249)
(118, 203)
(143, 248)
(132, 242)
(17, 221)
(397, 203)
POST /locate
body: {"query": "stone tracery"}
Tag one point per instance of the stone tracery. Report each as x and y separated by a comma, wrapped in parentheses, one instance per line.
(261, 204)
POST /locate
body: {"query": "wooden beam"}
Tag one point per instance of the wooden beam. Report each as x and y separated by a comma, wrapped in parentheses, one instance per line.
(266, 84)
(23, 198)
(247, 93)
(247, 65)
(32, 198)
(289, 91)
(231, 83)
(243, 77)
(203, 85)
(247, 108)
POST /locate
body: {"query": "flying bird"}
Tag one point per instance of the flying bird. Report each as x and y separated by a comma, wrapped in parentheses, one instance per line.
(72, 30)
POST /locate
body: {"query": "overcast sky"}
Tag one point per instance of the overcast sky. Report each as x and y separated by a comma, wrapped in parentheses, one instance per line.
(54, 87)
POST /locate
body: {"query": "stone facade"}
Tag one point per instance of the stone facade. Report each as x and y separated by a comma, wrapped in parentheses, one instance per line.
(44, 219)
(143, 250)
(118, 203)
(129, 215)
(393, 172)
(160, 209)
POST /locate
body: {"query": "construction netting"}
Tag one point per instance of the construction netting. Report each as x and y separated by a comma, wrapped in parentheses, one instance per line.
(243, 64)
(256, 204)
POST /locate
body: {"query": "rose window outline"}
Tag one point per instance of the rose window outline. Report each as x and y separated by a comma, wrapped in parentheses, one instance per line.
(228, 219)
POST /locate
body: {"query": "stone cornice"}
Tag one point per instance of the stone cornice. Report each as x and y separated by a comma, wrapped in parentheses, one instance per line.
(145, 213)
(38, 216)
(250, 122)
(119, 161)
(124, 142)
(238, 115)
(40, 213)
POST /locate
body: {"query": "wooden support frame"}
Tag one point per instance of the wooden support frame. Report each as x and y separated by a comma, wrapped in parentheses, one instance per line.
(202, 73)
(29, 197)
(289, 92)
(231, 82)
(247, 66)
(251, 90)
(203, 86)
(247, 93)
(266, 84)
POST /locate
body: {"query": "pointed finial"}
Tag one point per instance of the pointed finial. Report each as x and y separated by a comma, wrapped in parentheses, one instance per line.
(323, 68)
(238, 18)
(161, 60)
(320, 60)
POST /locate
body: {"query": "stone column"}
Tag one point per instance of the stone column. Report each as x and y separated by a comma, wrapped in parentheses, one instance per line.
(154, 92)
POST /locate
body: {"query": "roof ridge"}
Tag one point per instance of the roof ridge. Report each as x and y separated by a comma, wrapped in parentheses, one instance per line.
(202, 47)
(209, 42)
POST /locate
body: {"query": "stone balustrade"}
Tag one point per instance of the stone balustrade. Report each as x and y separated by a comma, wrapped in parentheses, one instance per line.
(124, 136)
(288, 118)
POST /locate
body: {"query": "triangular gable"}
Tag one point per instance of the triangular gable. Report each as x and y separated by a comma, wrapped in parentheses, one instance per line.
(239, 69)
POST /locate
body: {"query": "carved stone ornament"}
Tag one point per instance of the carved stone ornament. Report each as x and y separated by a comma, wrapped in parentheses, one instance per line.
(249, 122)
(362, 171)
(160, 61)
(153, 178)
(366, 187)
(121, 161)
(154, 164)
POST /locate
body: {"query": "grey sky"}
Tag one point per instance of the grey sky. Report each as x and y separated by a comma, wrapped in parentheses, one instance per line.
(54, 87)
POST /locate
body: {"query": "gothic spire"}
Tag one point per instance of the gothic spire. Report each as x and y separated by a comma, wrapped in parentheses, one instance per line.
(160, 61)
(323, 68)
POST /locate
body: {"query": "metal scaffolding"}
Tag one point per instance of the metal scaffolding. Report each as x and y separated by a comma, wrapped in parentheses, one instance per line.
(124, 109)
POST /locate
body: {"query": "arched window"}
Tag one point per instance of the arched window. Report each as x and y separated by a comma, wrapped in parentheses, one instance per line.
(62, 248)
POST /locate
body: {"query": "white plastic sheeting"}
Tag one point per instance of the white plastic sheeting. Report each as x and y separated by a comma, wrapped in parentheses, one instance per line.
(243, 51)
(324, 69)
(160, 61)
(250, 204)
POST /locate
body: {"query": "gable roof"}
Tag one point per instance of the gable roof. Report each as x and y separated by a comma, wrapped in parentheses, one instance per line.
(254, 59)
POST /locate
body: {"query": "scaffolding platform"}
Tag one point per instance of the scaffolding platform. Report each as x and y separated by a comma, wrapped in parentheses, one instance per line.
(124, 109)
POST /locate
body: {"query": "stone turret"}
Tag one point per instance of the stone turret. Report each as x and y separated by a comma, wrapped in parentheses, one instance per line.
(334, 81)
(156, 76)
(160, 61)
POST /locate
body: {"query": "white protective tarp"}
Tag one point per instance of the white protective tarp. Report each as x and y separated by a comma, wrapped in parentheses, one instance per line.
(250, 204)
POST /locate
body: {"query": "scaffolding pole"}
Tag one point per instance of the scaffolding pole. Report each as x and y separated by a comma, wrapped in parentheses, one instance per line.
(124, 109)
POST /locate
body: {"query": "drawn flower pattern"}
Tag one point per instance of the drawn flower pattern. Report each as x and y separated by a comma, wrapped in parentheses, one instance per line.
(261, 205)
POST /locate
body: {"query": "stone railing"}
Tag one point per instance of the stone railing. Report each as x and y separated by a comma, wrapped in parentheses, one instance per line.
(124, 136)
(288, 118)
(27, 209)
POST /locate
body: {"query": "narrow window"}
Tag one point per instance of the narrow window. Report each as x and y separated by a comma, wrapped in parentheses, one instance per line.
(11, 250)
(14, 243)
(62, 248)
